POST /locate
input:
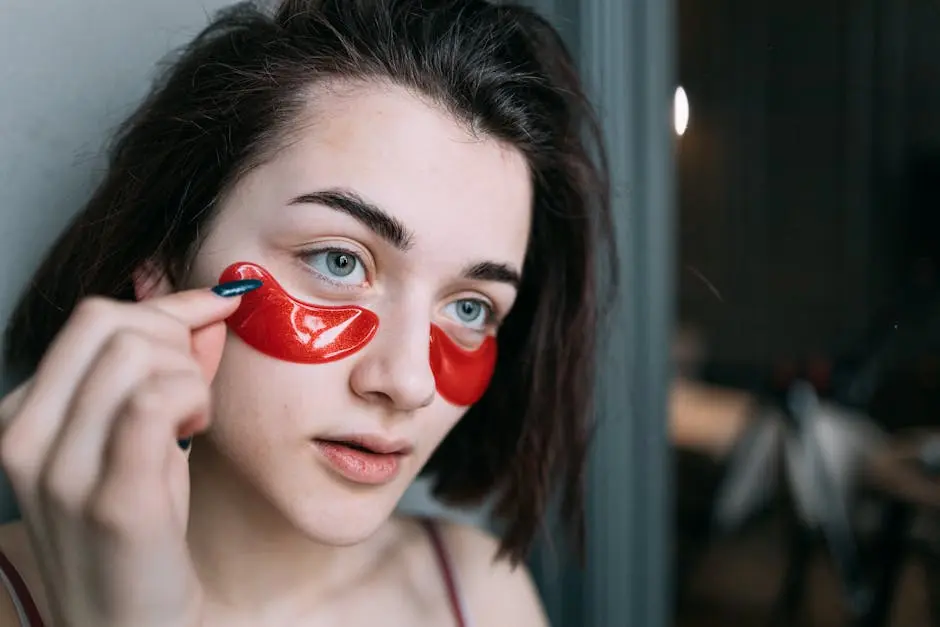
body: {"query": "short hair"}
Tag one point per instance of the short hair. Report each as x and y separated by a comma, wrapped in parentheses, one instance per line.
(226, 101)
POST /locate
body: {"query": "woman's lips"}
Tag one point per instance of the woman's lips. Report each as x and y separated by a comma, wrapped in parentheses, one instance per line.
(360, 465)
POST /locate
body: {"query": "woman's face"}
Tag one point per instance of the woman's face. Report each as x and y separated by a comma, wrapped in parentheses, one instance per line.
(428, 225)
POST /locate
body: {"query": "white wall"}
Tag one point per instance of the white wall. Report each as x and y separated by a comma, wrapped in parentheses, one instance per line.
(70, 72)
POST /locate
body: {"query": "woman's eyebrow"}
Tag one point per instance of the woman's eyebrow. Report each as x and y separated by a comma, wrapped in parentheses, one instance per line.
(493, 271)
(394, 231)
(380, 222)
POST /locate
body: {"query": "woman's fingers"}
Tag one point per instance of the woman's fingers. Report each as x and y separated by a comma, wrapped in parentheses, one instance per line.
(31, 432)
(136, 456)
(196, 308)
(127, 361)
(34, 428)
(15, 458)
(11, 403)
(89, 441)
(207, 345)
(201, 315)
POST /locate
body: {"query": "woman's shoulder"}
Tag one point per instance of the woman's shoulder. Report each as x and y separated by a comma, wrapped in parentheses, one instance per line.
(494, 591)
(16, 547)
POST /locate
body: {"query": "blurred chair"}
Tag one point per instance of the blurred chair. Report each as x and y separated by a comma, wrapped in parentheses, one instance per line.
(803, 451)
(826, 448)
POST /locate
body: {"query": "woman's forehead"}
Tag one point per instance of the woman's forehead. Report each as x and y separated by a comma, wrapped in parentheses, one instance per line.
(415, 161)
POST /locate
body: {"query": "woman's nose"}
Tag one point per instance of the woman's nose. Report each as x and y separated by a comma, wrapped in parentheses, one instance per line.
(395, 369)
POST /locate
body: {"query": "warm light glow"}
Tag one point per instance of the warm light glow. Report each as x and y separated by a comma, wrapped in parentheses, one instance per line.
(680, 111)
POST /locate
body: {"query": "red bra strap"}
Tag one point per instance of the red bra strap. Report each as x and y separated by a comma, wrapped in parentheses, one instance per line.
(447, 571)
(22, 599)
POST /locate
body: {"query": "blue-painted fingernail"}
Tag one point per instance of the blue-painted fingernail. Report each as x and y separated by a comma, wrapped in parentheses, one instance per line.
(236, 288)
(184, 443)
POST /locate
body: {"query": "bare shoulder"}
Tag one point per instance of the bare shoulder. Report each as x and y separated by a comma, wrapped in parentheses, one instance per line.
(15, 545)
(496, 593)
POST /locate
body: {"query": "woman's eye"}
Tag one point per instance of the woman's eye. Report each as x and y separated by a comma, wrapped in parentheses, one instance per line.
(338, 266)
(469, 312)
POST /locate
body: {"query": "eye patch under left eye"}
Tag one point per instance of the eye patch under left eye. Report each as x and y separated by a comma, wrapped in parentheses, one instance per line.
(275, 323)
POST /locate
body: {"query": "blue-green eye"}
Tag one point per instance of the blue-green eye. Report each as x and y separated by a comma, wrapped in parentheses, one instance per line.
(469, 312)
(339, 266)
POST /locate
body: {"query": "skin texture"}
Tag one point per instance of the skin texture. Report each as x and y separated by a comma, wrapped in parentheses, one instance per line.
(274, 536)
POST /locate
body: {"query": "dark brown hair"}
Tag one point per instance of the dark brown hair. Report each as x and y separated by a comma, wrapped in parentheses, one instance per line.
(230, 98)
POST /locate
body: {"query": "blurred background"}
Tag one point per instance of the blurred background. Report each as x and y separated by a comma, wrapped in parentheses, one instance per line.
(768, 443)
(807, 336)
(807, 313)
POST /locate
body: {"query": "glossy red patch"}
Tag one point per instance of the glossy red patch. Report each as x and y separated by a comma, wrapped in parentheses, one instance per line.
(461, 376)
(280, 326)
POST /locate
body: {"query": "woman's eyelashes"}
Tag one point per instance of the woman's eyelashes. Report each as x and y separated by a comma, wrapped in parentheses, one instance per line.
(343, 268)
(472, 313)
(337, 266)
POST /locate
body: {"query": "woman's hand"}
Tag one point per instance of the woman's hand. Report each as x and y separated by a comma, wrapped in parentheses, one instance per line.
(90, 447)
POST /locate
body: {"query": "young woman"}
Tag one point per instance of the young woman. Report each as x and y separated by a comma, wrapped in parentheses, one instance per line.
(374, 190)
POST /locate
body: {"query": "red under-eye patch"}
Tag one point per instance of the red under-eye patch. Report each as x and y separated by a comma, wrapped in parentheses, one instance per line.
(280, 326)
(461, 376)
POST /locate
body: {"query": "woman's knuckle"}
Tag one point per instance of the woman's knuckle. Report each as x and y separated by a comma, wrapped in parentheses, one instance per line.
(123, 513)
(180, 333)
(16, 458)
(109, 515)
(192, 391)
(51, 481)
(58, 487)
(129, 346)
(145, 401)
(93, 310)
(200, 390)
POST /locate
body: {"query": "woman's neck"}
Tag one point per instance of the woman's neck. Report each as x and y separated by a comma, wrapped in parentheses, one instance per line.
(252, 561)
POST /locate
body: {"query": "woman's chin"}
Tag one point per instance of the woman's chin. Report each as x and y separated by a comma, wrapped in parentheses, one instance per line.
(341, 518)
(340, 530)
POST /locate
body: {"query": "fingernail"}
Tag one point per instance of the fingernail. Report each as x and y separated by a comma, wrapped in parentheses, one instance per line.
(236, 288)
(184, 443)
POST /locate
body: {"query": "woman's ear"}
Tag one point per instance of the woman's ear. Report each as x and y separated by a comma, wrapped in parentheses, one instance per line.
(150, 281)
